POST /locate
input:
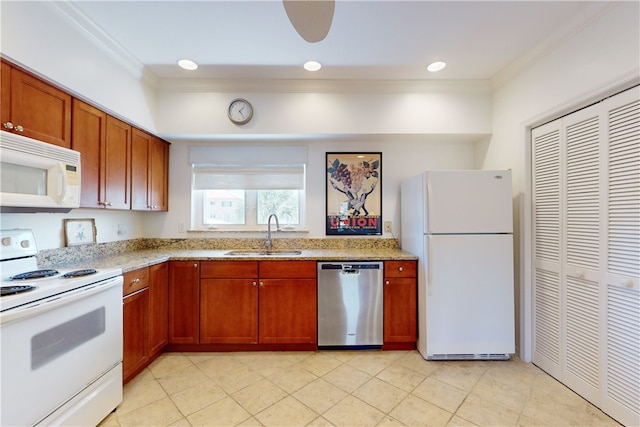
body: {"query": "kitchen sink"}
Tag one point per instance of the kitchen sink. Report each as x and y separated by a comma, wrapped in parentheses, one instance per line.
(257, 252)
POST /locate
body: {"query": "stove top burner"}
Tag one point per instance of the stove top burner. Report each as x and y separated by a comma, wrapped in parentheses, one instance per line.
(12, 290)
(79, 273)
(35, 274)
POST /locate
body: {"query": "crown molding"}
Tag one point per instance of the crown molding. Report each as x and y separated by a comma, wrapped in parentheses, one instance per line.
(96, 36)
(552, 41)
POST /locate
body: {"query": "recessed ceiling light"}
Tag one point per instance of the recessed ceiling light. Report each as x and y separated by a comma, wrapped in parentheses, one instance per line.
(187, 64)
(312, 65)
(436, 66)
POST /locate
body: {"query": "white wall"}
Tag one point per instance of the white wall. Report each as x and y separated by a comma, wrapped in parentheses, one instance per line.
(401, 158)
(39, 37)
(48, 227)
(597, 61)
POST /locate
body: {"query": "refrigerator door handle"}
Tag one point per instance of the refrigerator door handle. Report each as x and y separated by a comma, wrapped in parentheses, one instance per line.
(429, 271)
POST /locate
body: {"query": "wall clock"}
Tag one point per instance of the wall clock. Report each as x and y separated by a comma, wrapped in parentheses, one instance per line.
(240, 111)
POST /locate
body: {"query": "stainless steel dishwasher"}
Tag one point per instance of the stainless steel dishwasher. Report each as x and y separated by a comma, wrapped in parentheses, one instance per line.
(350, 304)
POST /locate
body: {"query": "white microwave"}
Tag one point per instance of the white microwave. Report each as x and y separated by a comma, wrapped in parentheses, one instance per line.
(36, 176)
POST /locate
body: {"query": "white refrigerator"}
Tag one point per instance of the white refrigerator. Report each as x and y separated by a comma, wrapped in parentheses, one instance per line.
(460, 225)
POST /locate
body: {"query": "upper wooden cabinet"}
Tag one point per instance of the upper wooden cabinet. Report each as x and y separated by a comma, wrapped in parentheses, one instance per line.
(88, 137)
(104, 143)
(35, 109)
(121, 167)
(149, 172)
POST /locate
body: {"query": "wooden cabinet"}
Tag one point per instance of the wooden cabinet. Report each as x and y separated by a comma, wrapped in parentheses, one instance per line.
(135, 320)
(145, 317)
(34, 108)
(88, 137)
(158, 307)
(400, 304)
(149, 172)
(104, 143)
(184, 301)
(229, 302)
(258, 302)
(115, 165)
(287, 303)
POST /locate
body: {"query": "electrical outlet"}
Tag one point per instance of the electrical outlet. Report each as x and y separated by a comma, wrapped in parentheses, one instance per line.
(121, 230)
(387, 226)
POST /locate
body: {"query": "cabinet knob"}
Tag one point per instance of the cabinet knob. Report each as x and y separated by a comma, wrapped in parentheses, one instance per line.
(8, 125)
(254, 283)
(400, 268)
(195, 265)
(387, 283)
(261, 283)
(135, 280)
(19, 128)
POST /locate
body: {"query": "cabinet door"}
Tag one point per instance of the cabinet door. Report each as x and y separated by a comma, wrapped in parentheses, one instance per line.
(158, 307)
(287, 311)
(228, 311)
(43, 111)
(5, 94)
(88, 136)
(158, 187)
(400, 309)
(149, 172)
(184, 301)
(135, 320)
(116, 165)
(140, 142)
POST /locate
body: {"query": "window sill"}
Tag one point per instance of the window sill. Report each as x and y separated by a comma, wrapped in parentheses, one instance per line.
(245, 231)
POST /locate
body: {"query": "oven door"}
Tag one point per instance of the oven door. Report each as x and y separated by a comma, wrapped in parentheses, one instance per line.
(54, 348)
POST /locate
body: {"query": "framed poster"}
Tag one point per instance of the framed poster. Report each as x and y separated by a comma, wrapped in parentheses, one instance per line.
(354, 194)
(79, 231)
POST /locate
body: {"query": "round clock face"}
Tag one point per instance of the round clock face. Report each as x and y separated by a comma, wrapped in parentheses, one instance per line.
(240, 111)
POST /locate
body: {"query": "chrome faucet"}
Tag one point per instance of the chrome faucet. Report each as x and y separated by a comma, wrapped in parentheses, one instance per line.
(267, 242)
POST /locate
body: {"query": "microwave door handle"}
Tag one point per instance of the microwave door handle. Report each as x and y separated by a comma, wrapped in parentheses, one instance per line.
(61, 182)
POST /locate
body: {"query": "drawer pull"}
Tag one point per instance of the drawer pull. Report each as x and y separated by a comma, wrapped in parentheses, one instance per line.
(400, 269)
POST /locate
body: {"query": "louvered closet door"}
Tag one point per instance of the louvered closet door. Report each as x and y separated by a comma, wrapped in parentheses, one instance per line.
(622, 375)
(586, 248)
(582, 335)
(547, 296)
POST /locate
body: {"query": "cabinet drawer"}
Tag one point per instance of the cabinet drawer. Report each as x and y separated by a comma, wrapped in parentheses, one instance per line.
(400, 268)
(135, 280)
(229, 269)
(287, 269)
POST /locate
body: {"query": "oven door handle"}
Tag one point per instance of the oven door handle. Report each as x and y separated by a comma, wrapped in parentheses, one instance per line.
(55, 301)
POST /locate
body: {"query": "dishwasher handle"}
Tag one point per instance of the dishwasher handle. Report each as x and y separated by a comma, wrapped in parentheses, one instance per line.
(351, 268)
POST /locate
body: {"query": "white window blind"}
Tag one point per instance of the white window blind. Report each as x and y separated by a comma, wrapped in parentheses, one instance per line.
(248, 167)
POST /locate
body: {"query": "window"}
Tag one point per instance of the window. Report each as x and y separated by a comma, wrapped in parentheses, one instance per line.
(239, 187)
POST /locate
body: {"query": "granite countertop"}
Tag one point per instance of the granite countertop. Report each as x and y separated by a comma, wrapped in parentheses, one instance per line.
(129, 261)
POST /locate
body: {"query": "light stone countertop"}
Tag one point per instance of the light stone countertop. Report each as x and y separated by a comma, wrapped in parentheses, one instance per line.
(129, 261)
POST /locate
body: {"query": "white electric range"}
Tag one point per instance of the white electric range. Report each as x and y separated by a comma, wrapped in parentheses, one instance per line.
(60, 336)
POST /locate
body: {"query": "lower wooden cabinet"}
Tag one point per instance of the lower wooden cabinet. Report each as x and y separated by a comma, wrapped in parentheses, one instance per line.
(184, 297)
(135, 321)
(229, 302)
(400, 304)
(144, 317)
(258, 302)
(158, 307)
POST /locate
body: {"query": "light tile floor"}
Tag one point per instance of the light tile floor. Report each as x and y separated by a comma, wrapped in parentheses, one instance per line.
(346, 388)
